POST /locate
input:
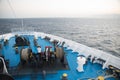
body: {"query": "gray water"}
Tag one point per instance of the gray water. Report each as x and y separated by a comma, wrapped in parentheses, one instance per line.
(102, 34)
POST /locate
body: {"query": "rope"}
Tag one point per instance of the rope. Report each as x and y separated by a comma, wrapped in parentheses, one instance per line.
(11, 8)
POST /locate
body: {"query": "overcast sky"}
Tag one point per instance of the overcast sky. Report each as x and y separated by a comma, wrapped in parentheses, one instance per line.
(58, 8)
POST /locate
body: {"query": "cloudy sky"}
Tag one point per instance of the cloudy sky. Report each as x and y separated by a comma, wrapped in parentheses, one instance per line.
(57, 8)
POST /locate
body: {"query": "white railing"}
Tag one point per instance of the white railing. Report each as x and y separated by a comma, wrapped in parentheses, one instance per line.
(76, 47)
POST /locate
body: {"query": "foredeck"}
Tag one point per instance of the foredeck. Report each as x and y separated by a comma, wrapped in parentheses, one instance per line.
(91, 70)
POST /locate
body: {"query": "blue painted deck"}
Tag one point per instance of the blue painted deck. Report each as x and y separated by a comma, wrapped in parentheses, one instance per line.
(90, 70)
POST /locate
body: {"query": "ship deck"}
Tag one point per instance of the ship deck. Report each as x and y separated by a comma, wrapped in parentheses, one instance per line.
(91, 70)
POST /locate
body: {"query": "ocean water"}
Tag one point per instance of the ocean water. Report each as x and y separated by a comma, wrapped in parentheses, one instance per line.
(99, 33)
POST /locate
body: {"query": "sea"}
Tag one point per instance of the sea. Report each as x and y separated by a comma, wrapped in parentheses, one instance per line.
(99, 33)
